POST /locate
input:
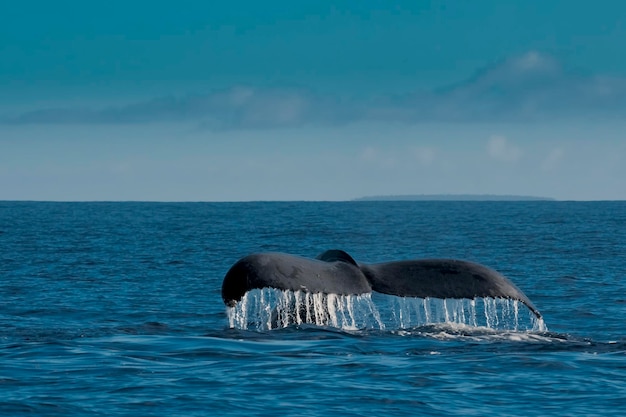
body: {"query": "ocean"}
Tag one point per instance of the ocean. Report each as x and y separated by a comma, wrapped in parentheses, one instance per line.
(114, 309)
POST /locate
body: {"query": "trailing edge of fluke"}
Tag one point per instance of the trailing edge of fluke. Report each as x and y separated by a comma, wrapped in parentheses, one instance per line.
(336, 272)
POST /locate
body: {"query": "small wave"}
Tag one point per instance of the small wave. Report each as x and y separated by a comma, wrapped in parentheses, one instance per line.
(460, 331)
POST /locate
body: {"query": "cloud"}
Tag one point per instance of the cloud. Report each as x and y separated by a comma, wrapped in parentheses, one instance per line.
(236, 107)
(532, 87)
(375, 157)
(552, 160)
(529, 87)
(424, 155)
(499, 147)
(369, 154)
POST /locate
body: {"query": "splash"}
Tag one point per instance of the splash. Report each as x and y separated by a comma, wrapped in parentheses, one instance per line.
(268, 308)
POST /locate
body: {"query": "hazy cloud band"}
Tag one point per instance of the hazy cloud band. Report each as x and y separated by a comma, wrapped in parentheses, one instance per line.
(530, 87)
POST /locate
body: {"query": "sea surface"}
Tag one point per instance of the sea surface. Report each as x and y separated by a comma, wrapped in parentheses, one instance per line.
(114, 309)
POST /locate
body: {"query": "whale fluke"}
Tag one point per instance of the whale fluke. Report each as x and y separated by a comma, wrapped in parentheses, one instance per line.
(289, 272)
(336, 272)
(442, 278)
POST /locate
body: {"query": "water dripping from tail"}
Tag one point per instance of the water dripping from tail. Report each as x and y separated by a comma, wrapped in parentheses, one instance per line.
(500, 314)
(268, 308)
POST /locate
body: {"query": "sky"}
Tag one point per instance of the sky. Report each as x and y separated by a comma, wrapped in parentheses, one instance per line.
(284, 100)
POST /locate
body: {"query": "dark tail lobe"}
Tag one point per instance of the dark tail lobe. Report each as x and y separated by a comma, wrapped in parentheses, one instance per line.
(442, 278)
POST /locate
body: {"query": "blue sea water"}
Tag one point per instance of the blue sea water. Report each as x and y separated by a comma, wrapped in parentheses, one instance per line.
(114, 309)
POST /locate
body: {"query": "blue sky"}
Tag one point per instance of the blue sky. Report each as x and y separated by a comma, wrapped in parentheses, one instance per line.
(311, 100)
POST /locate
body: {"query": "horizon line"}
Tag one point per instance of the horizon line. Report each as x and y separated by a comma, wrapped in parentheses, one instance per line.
(354, 200)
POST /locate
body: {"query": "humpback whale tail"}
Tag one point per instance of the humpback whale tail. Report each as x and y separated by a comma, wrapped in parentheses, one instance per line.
(336, 272)
(443, 278)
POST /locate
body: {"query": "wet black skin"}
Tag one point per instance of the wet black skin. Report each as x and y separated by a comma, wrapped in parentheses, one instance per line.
(336, 272)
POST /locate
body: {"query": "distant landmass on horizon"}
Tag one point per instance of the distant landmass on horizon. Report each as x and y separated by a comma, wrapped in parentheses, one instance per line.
(452, 197)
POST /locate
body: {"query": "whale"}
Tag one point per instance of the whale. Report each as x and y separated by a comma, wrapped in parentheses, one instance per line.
(336, 272)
